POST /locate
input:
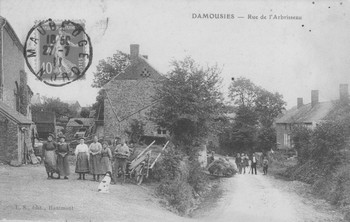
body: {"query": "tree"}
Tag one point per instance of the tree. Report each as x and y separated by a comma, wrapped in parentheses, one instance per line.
(268, 106)
(55, 105)
(244, 129)
(189, 100)
(257, 109)
(84, 113)
(110, 67)
(243, 92)
(106, 70)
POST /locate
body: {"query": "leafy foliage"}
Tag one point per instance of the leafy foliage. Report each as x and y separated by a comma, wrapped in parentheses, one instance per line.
(188, 101)
(84, 113)
(256, 110)
(98, 106)
(110, 67)
(327, 139)
(301, 137)
(181, 180)
(55, 105)
(322, 156)
(135, 131)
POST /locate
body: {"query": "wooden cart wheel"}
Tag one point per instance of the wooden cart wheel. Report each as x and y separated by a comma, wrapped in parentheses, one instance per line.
(139, 175)
(139, 179)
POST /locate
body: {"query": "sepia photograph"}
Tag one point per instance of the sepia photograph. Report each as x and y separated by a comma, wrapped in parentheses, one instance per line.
(188, 110)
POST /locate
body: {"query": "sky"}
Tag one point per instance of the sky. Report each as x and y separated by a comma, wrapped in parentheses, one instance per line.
(291, 57)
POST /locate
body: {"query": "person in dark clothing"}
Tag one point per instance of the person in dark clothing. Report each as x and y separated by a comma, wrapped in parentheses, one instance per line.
(238, 163)
(62, 158)
(50, 157)
(254, 163)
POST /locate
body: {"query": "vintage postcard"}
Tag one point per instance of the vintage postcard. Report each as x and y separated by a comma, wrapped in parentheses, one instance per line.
(188, 110)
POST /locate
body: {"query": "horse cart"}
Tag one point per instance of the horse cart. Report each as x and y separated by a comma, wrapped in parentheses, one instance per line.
(139, 168)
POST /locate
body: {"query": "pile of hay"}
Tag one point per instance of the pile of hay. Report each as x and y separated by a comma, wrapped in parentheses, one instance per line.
(222, 167)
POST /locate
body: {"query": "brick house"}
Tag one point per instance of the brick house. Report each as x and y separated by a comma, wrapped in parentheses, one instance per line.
(15, 114)
(308, 115)
(129, 96)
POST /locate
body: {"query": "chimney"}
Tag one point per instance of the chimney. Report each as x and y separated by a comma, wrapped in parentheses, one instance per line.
(314, 97)
(344, 93)
(134, 51)
(300, 102)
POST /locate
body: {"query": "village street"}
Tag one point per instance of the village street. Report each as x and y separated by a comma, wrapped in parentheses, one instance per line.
(26, 194)
(266, 199)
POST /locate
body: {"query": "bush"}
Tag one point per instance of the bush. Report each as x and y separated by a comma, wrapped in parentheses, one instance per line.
(178, 194)
(197, 178)
(327, 139)
(301, 137)
(181, 180)
(170, 166)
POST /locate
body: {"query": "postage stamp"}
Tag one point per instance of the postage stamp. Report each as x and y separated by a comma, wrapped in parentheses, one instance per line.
(58, 52)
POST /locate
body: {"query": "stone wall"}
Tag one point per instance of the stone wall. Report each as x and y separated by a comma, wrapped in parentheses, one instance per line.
(8, 140)
(127, 100)
(13, 63)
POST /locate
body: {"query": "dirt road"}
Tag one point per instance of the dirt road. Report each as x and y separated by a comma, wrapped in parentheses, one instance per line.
(26, 194)
(262, 198)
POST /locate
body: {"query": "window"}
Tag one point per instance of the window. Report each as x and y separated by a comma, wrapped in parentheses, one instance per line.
(286, 140)
(159, 131)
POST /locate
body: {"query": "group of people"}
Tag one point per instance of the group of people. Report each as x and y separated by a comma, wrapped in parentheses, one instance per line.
(96, 159)
(248, 165)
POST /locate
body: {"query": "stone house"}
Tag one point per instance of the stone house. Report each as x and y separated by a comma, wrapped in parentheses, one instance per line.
(75, 124)
(308, 115)
(129, 96)
(15, 95)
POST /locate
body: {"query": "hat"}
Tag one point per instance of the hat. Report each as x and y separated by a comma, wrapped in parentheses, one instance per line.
(52, 135)
(82, 138)
(62, 136)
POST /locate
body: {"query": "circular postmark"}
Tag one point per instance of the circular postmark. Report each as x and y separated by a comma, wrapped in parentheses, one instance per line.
(58, 53)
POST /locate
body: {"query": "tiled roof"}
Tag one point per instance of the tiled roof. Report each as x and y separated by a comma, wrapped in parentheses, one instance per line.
(13, 115)
(307, 114)
(85, 121)
(139, 68)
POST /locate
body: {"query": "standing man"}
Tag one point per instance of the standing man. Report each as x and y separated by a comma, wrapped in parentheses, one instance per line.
(254, 162)
(122, 153)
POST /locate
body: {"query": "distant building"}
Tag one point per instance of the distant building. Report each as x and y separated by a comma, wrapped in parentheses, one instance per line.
(308, 115)
(15, 95)
(45, 123)
(76, 124)
(129, 96)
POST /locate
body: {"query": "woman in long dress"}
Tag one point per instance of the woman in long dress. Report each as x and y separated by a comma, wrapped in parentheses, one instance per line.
(62, 158)
(50, 158)
(82, 153)
(106, 156)
(95, 149)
